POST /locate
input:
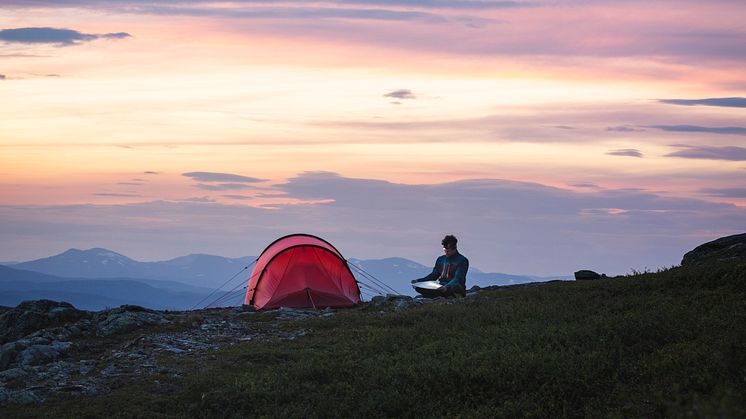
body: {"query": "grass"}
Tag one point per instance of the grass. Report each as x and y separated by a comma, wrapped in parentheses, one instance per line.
(670, 343)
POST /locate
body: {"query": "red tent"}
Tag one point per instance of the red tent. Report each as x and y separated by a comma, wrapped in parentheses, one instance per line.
(301, 270)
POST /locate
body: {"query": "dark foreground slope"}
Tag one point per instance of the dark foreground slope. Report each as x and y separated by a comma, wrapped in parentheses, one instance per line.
(671, 343)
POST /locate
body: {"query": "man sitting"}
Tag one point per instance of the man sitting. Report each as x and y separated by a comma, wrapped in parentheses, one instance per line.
(449, 271)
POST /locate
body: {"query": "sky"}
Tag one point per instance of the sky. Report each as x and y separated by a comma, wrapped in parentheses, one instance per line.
(548, 136)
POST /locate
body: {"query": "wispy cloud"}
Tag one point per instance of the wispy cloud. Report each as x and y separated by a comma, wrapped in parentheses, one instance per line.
(401, 94)
(697, 128)
(628, 152)
(222, 186)
(221, 177)
(544, 124)
(710, 153)
(584, 185)
(214, 181)
(422, 4)
(198, 199)
(424, 11)
(22, 55)
(624, 128)
(728, 102)
(125, 195)
(297, 12)
(725, 192)
(444, 4)
(56, 36)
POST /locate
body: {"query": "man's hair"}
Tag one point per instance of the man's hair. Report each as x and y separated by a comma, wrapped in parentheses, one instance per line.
(449, 241)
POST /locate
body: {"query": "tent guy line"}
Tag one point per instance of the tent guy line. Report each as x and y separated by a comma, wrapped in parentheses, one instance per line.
(218, 288)
(372, 278)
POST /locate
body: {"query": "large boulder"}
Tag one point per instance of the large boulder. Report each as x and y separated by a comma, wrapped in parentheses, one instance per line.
(31, 316)
(8, 354)
(42, 354)
(588, 275)
(125, 319)
(34, 351)
(724, 249)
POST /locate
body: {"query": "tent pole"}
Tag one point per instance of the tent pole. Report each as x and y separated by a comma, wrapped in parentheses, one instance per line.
(308, 292)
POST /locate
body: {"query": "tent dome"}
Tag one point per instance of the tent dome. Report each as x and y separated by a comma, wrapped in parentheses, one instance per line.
(301, 270)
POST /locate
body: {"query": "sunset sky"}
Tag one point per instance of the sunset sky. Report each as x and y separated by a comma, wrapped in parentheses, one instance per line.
(549, 136)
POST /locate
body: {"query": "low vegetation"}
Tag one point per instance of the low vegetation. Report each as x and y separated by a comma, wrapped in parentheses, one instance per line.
(669, 343)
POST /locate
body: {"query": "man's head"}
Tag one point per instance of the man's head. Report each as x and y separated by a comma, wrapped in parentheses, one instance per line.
(449, 243)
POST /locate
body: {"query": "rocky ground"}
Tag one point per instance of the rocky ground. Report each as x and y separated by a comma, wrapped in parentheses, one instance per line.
(49, 348)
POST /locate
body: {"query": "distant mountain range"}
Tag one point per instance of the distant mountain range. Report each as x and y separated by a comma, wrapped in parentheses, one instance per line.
(97, 278)
(197, 269)
(97, 294)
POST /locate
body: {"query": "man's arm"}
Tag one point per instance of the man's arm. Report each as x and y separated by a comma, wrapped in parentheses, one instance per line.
(432, 276)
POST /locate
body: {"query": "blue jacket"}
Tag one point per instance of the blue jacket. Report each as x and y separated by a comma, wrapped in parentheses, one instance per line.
(449, 271)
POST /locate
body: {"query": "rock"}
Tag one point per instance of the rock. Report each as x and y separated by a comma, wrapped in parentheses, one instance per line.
(402, 304)
(61, 369)
(587, 275)
(286, 313)
(23, 397)
(91, 389)
(394, 302)
(36, 340)
(3, 396)
(110, 370)
(8, 354)
(472, 295)
(65, 332)
(42, 354)
(71, 388)
(295, 335)
(13, 373)
(172, 349)
(31, 316)
(379, 299)
(85, 367)
(13, 352)
(125, 319)
(721, 250)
